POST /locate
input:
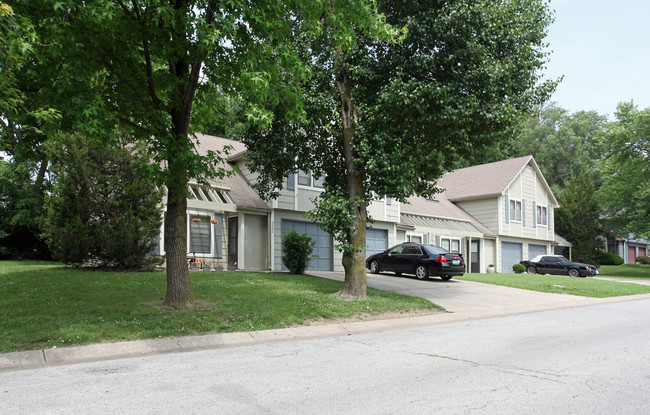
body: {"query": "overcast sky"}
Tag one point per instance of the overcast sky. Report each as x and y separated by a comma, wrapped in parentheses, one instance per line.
(602, 47)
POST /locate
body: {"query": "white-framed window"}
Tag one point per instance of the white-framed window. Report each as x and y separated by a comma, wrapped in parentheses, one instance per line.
(515, 210)
(414, 238)
(542, 215)
(450, 244)
(200, 234)
(307, 179)
(304, 178)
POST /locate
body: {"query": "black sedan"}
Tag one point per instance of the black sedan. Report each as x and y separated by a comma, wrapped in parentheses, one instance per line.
(558, 265)
(418, 259)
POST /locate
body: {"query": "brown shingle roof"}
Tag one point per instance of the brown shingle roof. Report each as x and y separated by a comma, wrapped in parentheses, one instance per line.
(484, 180)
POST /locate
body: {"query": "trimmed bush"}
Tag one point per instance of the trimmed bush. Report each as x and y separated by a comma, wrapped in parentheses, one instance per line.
(296, 251)
(643, 259)
(608, 258)
(518, 268)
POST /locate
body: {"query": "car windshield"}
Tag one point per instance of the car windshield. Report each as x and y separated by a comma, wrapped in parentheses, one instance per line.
(433, 250)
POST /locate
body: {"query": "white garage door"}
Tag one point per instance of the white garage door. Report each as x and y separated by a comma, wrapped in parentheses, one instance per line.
(376, 241)
(323, 248)
(534, 250)
(511, 254)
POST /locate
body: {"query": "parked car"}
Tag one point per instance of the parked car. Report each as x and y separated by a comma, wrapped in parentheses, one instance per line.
(418, 259)
(558, 265)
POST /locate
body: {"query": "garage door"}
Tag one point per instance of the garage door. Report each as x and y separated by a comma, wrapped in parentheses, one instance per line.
(376, 241)
(323, 248)
(534, 250)
(511, 254)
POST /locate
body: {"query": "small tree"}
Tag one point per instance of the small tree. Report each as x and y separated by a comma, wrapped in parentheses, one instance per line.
(296, 251)
(102, 209)
(577, 219)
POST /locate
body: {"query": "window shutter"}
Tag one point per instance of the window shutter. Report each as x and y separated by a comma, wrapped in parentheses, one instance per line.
(507, 209)
(218, 236)
(438, 240)
(462, 246)
(523, 212)
(425, 239)
(534, 214)
(291, 182)
(548, 211)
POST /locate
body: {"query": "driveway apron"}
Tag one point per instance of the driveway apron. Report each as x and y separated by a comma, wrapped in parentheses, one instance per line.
(472, 299)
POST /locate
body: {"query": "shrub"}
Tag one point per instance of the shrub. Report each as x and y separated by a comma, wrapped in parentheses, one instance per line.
(296, 251)
(608, 258)
(643, 259)
(103, 211)
(518, 268)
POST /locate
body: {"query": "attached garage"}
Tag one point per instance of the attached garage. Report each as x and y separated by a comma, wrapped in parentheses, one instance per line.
(376, 241)
(323, 248)
(511, 254)
(534, 250)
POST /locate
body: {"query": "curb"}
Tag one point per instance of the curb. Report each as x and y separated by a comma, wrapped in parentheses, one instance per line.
(36, 359)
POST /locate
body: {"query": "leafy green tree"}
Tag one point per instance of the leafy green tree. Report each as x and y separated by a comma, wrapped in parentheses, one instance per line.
(578, 217)
(563, 144)
(388, 118)
(151, 67)
(102, 209)
(21, 212)
(625, 169)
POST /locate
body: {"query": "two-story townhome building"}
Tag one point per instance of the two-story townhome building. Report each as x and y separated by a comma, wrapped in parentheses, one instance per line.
(513, 200)
(498, 213)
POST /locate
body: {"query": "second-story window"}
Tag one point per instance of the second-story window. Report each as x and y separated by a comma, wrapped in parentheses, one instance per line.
(515, 210)
(306, 179)
(542, 215)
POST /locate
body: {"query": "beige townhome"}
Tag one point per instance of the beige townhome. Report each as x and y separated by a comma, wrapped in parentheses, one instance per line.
(498, 213)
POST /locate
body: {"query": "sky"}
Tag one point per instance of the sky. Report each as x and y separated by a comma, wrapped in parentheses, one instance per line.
(602, 47)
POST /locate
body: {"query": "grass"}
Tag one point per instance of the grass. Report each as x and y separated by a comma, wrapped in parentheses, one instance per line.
(43, 305)
(625, 271)
(560, 284)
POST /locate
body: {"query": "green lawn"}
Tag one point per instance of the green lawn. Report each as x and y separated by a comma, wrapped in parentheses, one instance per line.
(560, 284)
(43, 305)
(625, 271)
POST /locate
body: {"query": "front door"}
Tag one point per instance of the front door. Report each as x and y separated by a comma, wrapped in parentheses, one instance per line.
(475, 266)
(232, 240)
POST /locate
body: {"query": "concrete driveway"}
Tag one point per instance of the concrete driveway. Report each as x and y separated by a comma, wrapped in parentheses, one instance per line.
(474, 300)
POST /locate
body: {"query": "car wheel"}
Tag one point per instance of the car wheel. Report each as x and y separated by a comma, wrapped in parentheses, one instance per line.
(422, 272)
(374, 267)
(574, 272)
(531, 270)
(446, 277)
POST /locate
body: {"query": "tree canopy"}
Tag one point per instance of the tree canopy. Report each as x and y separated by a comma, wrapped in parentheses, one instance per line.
(388, 117)
(625, 169)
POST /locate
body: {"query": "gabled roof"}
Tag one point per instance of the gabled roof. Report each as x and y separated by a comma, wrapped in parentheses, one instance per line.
(239, 189)
(485, 180)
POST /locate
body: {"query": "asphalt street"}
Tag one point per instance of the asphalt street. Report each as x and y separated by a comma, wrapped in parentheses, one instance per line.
(584, 360)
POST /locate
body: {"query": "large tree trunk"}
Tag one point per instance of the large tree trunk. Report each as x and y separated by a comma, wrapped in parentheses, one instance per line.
(355, 282)
(179, 288)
